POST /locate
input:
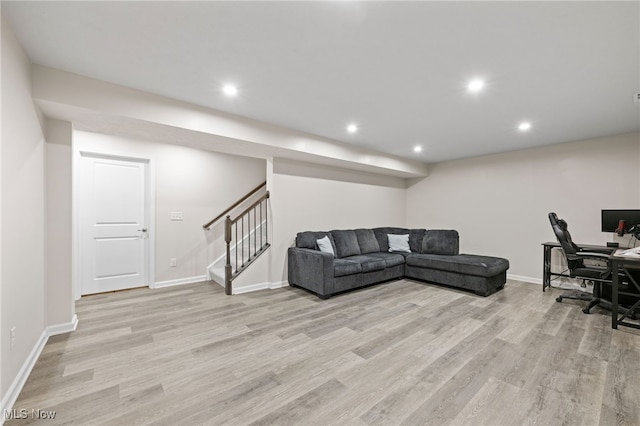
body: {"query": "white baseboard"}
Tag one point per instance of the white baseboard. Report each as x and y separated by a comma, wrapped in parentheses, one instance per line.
(260, 286)
(18, 383)
(279, 284)
(523, 278)
(180, 281)
(54, 330)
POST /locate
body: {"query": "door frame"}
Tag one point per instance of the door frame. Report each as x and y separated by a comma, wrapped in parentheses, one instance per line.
(150, 203)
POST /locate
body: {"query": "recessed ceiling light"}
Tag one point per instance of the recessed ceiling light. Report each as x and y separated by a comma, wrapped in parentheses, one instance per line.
(230, 90)
(417, 148)
(524, 126)
(475, 85)
(352, 128)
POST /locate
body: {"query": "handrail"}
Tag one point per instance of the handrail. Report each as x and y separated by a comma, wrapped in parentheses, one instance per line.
(207, 225)
(251, 207)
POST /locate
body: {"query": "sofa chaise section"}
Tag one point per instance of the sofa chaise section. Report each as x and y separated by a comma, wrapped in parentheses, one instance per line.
(483, 275)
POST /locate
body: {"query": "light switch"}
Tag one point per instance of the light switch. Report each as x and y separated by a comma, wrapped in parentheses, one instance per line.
(176, 215)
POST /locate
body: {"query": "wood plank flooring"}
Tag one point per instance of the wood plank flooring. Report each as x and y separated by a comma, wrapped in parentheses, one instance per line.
(404, 353)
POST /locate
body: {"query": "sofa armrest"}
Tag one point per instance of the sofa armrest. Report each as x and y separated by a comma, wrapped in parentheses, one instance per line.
(311, 269)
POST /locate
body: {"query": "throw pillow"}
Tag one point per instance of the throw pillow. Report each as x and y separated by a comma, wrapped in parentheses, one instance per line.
(324, 244)
(399, 243)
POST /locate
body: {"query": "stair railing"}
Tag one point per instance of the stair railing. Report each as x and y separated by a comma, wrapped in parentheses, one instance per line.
(207, 225)
(252, 241)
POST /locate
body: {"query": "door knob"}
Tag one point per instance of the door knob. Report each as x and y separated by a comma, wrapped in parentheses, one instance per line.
(143, 230)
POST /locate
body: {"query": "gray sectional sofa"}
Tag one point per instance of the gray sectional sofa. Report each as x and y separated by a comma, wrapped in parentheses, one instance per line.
(356, 258)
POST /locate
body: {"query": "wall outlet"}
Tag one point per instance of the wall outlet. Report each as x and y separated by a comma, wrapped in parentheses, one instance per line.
(13, 337)
(173, 262)
(176, 215)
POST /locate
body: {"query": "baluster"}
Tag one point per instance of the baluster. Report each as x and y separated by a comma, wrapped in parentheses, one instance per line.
(255, 233)
(261, 242)
(266, 221)
(249, 233)
(236, 245)
(242, 236)
(227, 266)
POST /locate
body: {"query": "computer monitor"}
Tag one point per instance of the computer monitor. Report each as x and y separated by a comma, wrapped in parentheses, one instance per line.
(611, 219)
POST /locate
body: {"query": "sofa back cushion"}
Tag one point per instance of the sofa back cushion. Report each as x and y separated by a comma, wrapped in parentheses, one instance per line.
(308, 239)
(416, 236)
(367, 241)
(383, 239)
(346, 243)
(441, 241)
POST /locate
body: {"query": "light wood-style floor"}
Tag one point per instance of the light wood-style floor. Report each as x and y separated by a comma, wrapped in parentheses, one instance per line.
(399, 353)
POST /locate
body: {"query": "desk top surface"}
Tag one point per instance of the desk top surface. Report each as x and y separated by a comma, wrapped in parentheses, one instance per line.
(631, 258)
(557, 244)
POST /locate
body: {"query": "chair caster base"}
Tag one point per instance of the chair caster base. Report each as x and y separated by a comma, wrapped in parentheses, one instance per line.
(586, 310)
(558, 299)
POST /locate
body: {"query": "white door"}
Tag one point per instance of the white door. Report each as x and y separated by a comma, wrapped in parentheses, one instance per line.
(114, 220)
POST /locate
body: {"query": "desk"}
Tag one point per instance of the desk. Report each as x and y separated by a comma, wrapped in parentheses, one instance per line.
(620, 264)
(546, 260)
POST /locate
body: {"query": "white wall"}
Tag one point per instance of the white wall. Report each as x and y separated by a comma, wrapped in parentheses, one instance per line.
(499, 203)
(60, 308)
(306, 197)
(23, 214)
(200, 184)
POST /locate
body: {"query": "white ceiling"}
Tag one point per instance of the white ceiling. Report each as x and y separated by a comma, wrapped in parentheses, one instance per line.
(397, 69)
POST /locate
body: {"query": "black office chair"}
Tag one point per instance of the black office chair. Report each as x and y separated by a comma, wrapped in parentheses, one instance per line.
(575, 256)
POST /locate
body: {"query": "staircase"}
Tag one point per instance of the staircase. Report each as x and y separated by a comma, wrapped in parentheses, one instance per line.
(246, 238)
(241, 253)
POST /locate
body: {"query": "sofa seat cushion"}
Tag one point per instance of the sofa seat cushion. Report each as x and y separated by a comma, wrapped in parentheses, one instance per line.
(368, 263)
(467, 264)
(343, 267)
(390, 259)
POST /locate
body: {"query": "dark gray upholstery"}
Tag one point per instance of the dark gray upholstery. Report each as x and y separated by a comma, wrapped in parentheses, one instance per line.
(390, 259)
(313, 268)
(346, 243)
(368, 263)
(440, 241)
(367, 241)
(416, 236)
(343, 267)
(434, 258)
(466, 264)
(482, 286)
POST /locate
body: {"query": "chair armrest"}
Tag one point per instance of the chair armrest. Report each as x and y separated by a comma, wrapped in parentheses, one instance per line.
(311, 269)
(607, 251)
(592, 255)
